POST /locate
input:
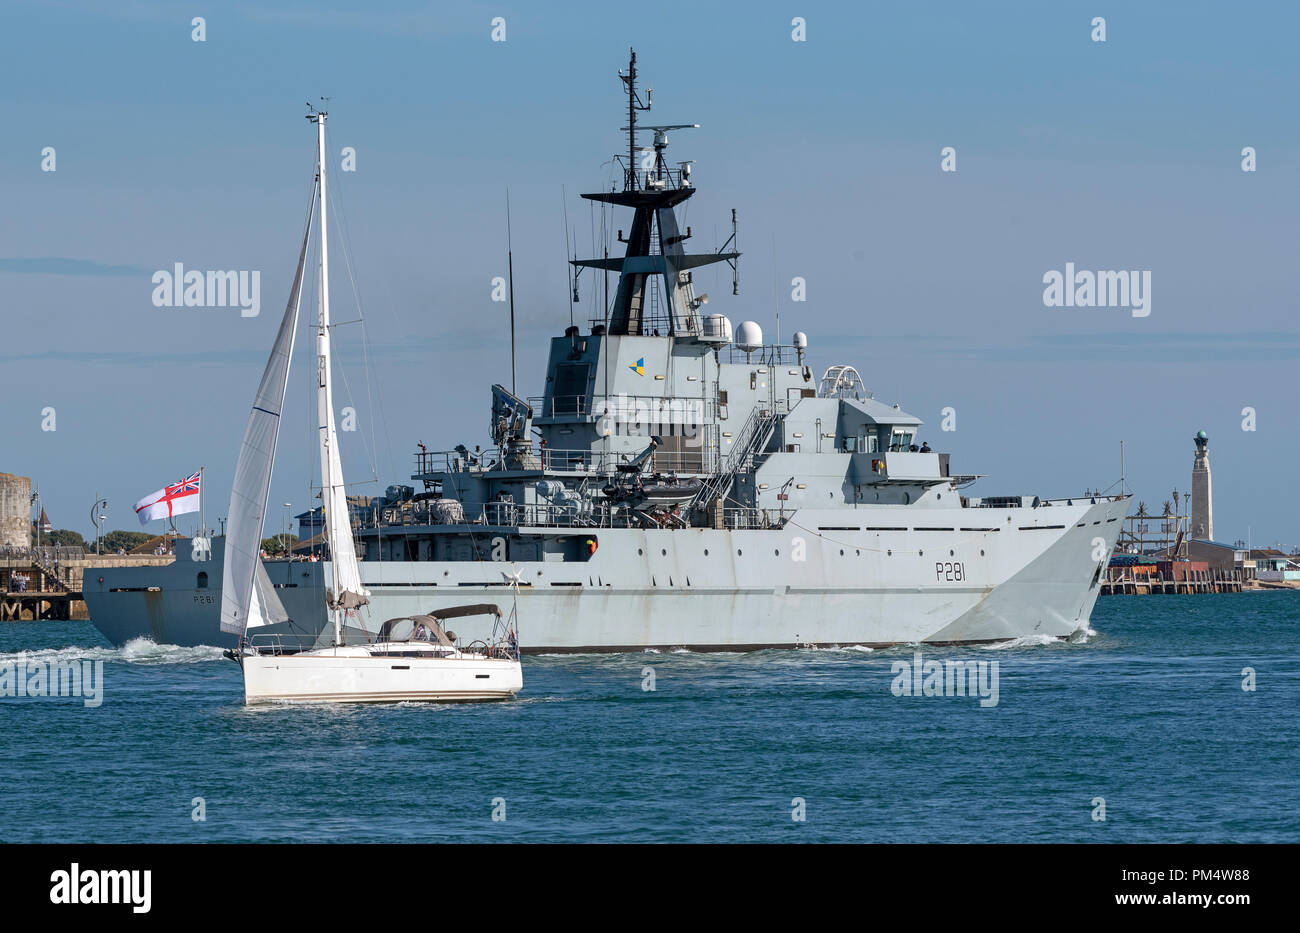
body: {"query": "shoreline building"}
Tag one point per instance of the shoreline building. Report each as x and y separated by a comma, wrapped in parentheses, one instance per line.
(1202, 493)
(15, 511)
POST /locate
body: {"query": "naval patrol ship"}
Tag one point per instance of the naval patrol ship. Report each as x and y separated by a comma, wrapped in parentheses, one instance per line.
(680, 484)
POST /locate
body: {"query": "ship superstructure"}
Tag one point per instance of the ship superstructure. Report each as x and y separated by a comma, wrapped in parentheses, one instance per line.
(680, 483)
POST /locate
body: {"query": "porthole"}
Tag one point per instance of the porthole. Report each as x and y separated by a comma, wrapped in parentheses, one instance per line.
(706, 552)
(889, 553)
(664, 551)
(920, 553)
(841, 552)
(950, 553)
(639, 552)
(981, 553)
(857, 552)
(739, 552)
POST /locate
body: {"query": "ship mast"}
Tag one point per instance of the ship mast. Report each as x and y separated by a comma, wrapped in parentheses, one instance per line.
(633, 105)
(654, 241)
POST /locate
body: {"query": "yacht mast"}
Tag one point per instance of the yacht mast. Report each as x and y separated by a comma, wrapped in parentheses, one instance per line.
(347, 592)
(324, 395)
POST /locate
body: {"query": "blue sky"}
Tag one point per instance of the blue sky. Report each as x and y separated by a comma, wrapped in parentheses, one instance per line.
(1117, 155)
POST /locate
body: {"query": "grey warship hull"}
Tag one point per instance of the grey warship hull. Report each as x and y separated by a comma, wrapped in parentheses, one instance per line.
(680, 485)
(713, 589)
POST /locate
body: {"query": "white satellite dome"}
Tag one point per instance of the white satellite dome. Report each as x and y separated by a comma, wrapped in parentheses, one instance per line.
(749, 336)
(800, 340)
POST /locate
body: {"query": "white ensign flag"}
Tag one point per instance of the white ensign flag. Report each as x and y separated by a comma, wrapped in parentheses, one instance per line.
(176, 499)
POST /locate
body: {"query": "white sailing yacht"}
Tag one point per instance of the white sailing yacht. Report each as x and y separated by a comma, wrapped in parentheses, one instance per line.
(408, 658)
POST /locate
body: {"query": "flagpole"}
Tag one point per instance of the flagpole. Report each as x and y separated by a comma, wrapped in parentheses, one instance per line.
(203, 529)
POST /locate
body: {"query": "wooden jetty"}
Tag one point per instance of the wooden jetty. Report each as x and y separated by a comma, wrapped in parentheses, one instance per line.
(31, 589)
(45, 583)
(1132, 581)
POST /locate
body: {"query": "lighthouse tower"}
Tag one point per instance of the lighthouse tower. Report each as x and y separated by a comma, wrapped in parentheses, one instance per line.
(1202, 495)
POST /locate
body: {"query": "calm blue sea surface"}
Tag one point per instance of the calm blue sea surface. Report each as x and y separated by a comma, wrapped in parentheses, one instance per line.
(1148, 713)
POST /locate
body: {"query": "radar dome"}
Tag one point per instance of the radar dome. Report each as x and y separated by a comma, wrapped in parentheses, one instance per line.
(717, 328)
(749, 336)
(800, 340)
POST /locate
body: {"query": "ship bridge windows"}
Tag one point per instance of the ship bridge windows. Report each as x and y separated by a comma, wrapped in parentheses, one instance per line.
(570, 392)
(901, 440)
(859, 444)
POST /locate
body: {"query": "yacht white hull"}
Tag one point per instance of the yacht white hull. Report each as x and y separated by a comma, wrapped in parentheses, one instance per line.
(346, 676)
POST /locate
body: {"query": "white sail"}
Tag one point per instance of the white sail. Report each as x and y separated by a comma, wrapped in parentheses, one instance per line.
(264, 606)
(346, 590)
(268, 602)
(241, 606)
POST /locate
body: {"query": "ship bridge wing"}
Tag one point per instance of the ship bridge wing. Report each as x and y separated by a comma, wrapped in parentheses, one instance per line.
(881, 413)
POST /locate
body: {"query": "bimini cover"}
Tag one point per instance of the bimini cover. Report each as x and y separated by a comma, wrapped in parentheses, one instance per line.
(415, 628)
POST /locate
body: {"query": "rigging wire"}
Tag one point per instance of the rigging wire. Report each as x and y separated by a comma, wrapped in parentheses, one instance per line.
(345, 242)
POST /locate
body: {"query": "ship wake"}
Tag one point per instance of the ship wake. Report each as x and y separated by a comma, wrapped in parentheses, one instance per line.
(141, 651)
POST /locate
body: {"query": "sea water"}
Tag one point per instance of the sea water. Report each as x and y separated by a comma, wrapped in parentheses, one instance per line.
(1175, 719)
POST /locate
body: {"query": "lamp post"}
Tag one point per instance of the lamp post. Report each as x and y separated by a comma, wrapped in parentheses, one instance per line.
(35, 501)
(97, 516)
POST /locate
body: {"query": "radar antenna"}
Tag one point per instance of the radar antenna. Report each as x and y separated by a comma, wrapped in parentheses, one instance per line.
(733, 257)
(660, 144)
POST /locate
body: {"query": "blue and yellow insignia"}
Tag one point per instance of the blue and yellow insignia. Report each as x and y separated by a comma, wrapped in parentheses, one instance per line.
(638, 367)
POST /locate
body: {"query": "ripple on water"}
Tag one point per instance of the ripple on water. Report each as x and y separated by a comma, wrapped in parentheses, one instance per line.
(716, 750)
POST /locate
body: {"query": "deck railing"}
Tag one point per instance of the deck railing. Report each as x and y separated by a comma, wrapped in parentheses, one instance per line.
(693, 459)
(590, 514)
(46, 553)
